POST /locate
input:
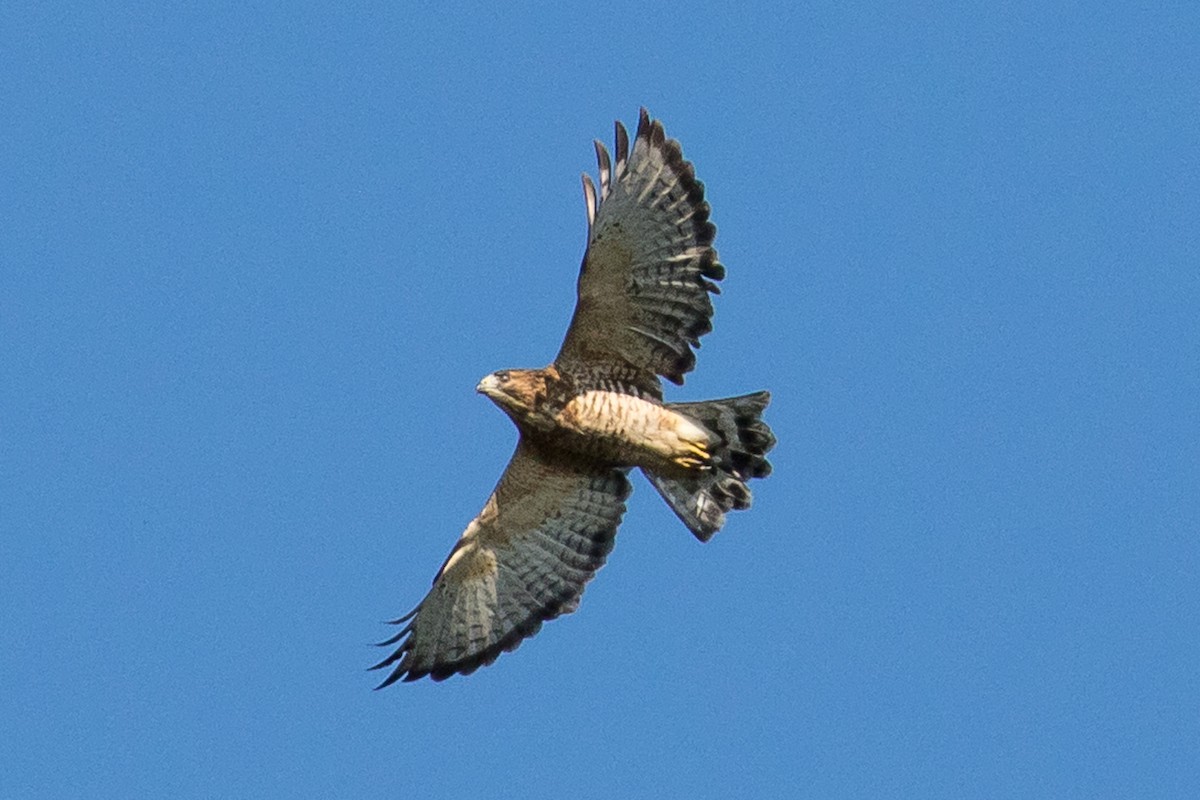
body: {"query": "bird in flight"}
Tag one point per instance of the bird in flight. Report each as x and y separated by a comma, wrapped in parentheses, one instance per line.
(593, 415)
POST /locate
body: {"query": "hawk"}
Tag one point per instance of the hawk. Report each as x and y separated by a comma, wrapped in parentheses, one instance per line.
(593, 415)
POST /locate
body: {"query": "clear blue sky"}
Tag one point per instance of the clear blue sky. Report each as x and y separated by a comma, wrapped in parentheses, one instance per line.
(253, 261)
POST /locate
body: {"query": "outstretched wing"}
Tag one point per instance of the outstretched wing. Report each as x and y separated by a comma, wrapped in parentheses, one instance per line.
(643, 288)
(548, 526)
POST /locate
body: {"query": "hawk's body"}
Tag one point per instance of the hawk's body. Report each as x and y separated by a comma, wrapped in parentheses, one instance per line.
(604, 425)
(594, 414)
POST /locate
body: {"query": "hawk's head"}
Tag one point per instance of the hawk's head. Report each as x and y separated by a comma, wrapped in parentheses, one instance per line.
(518, 391)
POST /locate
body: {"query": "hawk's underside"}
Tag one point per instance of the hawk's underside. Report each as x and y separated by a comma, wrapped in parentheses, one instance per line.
(591, 416)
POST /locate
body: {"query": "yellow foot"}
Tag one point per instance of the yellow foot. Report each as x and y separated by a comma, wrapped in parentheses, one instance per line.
(692, 462)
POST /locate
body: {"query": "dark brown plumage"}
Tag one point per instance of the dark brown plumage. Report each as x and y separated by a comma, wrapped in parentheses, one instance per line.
(595, 413)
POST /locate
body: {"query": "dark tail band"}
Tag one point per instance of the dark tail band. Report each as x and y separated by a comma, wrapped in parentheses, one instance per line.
(702, 500)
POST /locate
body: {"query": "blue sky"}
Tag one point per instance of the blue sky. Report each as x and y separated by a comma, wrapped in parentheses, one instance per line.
(253, 260)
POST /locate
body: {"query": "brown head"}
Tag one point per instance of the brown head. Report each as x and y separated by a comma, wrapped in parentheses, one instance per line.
(520, 392)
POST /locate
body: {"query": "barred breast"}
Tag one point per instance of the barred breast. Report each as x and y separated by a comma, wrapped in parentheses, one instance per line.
(630, 431)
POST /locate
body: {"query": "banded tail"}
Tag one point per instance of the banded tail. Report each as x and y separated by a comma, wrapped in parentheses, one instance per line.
(701, 500)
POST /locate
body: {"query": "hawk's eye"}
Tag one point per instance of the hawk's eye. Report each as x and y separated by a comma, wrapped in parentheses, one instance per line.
(502, 376)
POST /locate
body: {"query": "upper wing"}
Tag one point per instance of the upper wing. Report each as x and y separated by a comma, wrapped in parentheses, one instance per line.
(643, 288)
(543, 533)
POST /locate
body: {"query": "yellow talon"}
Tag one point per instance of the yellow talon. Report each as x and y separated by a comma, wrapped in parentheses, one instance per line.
(690, 462)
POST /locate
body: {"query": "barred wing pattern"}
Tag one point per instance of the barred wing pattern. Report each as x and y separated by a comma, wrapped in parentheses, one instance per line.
(548, 526)
(643, 292)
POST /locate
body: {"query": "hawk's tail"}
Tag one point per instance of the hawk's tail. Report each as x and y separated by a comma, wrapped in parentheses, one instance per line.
(742, 442)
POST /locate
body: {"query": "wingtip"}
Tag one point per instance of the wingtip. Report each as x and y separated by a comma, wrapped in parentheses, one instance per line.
(388, 681)
(605, 165)
(405, 618)
(589, 198)
(402, 672)
(601, 155)
(622, 143)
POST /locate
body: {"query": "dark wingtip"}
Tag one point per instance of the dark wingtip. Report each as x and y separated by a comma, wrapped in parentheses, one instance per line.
(405, 618)
(622, 137)
(591, 204)
(387, 662)
(389, 680)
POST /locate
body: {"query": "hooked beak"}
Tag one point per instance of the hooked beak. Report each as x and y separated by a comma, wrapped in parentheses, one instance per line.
(487, 385)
